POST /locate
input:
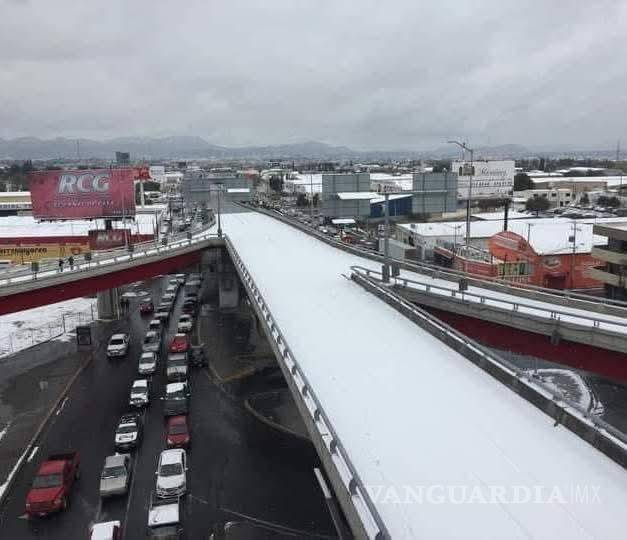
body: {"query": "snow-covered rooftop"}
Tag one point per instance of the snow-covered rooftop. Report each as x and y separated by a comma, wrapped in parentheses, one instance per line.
(356, 195)
(414, 414)
(12, 226)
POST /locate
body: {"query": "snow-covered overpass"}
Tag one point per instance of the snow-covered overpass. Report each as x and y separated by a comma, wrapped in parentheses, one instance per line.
(437, 448)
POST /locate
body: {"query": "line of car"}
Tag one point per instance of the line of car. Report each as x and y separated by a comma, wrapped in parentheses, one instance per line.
(56, 476)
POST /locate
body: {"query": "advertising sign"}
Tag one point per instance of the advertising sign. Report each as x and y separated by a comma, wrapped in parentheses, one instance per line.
(102, 239)
(29, 251)
(491, 180)
(84, 194)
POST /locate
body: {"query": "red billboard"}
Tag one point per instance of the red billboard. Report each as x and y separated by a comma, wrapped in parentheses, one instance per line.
(84, 194)
(101, 239)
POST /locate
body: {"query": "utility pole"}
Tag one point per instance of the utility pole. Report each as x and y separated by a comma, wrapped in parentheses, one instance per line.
(465, 148)
(573, 238)
(386, 240)
(311, 197)
(219, 222)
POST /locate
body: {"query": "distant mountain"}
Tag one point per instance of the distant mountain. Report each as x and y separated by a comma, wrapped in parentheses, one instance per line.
(185, 147)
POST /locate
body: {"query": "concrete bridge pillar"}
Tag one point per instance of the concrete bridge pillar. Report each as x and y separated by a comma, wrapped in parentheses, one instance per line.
(108, 304)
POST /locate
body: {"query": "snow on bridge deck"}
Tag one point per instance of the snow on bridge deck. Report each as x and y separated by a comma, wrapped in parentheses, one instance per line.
(413, 414)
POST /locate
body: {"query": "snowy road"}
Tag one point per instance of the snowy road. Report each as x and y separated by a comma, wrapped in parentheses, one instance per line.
(445, 450)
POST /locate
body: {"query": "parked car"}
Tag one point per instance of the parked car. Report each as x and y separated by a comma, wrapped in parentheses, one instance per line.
(107, 530)
(118, 345)
(116, 475)
(163, 313)
(171, 473)
(173, 288)
(147, 363)
(176, 367)
(176, 399)
(197, 356)
(146, 306)
(177, 433)
(140, 393)
(180, 278)
(168, 299)
(186, 323)
(179, 343)
(194, 276)
(128, 434)
(152, 342)
(164, 519)
(52, 485)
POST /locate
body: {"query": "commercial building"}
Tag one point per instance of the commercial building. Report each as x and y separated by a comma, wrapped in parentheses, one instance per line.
(612, 271)
(197, 185)
(557, 196)
(346, 195)
(552, 254)
(352, 195)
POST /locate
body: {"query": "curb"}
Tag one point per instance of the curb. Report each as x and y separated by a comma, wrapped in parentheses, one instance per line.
(273, 425)
(20, 462)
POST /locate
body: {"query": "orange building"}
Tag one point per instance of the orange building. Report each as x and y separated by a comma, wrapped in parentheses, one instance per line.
(548, 258)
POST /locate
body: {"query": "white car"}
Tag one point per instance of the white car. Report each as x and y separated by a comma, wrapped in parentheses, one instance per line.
(147, 363)
(155, 326)
(180, 278)
(186, 323)
(108, 530)
(140, 396)
(152, 342)
(173, 288)
(172, 473)
(118, 345)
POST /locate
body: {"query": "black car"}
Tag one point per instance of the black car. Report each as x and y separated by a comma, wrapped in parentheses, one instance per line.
(128, 434)
(197, 356)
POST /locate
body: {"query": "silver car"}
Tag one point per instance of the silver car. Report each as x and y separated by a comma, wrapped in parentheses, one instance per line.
(116, 475)
(152, 342)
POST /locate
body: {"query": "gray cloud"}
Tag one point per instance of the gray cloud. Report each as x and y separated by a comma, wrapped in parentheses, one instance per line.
(368, 74)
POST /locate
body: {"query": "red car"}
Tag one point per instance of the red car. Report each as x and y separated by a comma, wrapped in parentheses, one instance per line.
(177, 432)
(146, 307)
(52, 485)
(179, 344)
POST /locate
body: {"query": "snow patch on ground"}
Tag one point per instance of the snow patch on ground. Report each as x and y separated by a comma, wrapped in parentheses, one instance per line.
(29, 327)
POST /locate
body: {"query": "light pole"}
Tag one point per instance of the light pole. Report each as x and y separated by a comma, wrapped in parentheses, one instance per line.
(386, 240)
(219, 184)
(465, 148)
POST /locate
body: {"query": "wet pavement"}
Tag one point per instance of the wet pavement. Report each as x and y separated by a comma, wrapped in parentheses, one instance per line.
(239, 469)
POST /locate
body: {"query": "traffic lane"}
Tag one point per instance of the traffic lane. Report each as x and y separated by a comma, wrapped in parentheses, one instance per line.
(238, 466)
(86, 423)
(154, 439)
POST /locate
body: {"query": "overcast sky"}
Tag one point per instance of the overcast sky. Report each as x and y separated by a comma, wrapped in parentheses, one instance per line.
(363, 73)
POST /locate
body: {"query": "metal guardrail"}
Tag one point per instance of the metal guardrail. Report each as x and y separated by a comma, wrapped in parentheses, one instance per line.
(372, 523)
(554, 314)
(505, 286)
(143, 249)
(607, 438)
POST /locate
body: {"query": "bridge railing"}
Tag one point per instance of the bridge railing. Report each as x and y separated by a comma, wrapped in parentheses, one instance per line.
(580, 420)
(553, 313)
(565, 297)
(331, 444)
(109, 257)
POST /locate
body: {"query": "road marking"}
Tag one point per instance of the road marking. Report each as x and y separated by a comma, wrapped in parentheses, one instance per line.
(32, 454)
(62, 405)
(132, 485)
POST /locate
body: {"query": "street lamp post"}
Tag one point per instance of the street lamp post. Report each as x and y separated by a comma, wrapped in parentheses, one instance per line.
(219, 184)
(386, 240)
(469, 199)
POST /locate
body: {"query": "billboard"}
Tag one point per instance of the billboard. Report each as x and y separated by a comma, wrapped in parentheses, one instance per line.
(491, 180)
(101, 239)
(36, 249)
(84, 194)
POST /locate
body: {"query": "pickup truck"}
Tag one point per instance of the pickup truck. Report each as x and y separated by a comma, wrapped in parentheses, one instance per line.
(52, 485)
